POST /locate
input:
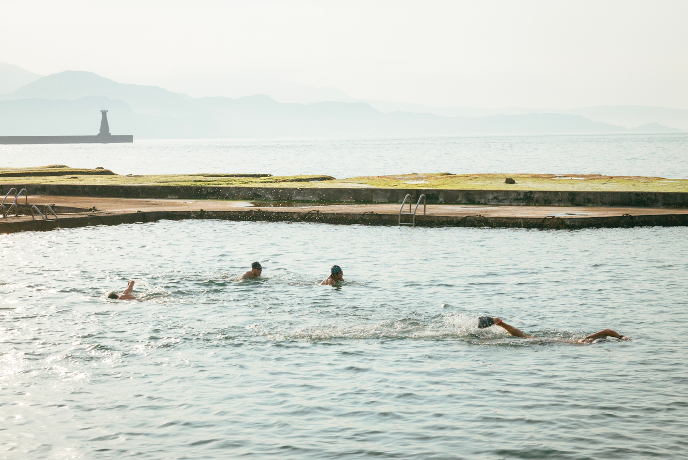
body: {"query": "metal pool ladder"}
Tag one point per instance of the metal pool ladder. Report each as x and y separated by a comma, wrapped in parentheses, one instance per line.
(47, 210)
(14, 204)
(409, 213)
(45, 215)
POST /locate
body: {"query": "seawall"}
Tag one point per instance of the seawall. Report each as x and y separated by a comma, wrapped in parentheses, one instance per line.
(369, 218)
(111, 139)
(366, 195)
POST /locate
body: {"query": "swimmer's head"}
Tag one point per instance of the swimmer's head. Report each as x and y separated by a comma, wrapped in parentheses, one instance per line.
(113, 295)
(336, 271)
(256, 266)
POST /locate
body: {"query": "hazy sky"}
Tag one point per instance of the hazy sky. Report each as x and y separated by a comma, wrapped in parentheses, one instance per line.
(483, 53)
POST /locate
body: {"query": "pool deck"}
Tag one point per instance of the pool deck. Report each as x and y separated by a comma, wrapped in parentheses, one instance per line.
(87, 211)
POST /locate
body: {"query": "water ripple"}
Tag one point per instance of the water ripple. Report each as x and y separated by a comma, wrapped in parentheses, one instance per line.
(390, 364)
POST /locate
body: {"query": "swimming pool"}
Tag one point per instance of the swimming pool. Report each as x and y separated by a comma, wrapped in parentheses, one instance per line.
(389, 364)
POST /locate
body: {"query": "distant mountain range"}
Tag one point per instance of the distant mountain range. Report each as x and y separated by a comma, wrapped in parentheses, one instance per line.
(631, 117)
(68, 103)
(13, 77)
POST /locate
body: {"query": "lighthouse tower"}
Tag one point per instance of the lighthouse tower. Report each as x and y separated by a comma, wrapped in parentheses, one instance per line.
(104, 126)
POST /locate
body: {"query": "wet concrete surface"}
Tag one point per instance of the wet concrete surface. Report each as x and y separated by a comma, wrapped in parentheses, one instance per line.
(110, 211)
(118, 205)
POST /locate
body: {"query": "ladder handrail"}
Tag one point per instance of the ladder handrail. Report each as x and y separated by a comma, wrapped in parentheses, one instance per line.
(8, 194)
(9, 210)
(407, 197)
(26, 196)
(422, 196)
(49, 209)
(34, 209)
(403, 203)
(14, 204)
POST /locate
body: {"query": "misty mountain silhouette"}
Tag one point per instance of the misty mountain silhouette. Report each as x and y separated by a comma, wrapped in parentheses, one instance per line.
(145, 111)
(638, 117)
(30, 117)
(72, 85)
(256, 116)
(13, 77)
(654, 128)
(68, 103)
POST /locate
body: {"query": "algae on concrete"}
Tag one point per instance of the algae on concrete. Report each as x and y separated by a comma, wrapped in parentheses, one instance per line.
(528, 182)
(61, 174)
(550, 182)
(53, 170)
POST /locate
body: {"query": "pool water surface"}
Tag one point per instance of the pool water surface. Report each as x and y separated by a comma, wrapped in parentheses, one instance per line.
(389, 364)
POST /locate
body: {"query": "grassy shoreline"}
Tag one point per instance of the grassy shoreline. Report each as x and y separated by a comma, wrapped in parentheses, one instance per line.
(61, 174)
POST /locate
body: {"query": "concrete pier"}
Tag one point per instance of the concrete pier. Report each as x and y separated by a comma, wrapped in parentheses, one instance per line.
(103, 137)
(111, 139)
(86, 211)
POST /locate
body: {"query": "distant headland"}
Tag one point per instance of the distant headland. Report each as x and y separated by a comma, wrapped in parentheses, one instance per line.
(103, 137)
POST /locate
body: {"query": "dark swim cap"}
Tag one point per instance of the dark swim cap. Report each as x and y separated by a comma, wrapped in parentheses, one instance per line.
(335, 269)
(485, 321)
(256, 265)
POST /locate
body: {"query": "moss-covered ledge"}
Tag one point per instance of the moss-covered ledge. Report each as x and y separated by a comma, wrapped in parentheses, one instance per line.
(488, 189)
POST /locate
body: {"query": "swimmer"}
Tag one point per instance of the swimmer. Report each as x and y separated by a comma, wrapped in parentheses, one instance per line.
(126, 295)
(486, 321)
(254, 272)
(336, 276)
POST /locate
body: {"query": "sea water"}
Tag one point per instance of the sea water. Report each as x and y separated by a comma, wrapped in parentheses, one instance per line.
(662, 155)
(390, 364)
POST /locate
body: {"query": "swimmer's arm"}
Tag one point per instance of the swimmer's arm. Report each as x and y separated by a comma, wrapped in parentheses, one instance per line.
(129, 289)
(603, 334)
(512, 330)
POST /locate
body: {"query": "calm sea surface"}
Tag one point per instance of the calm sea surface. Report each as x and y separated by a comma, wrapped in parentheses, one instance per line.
(389, 365)
(664, 155)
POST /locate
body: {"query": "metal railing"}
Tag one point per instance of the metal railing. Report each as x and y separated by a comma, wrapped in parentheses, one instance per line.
(8, 194)
(49, 209)
(26, 196)
(34, 210)
(45, 215)
(410, 213)
(8, 209)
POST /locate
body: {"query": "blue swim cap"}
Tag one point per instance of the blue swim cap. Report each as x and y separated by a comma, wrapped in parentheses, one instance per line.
(335, 269)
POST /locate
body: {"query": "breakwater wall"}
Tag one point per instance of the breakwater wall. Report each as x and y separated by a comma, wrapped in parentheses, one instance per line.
(368, 218)
(366, 195)
(109, 139)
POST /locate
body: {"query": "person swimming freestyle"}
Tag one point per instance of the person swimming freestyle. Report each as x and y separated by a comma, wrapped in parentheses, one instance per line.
(126, 295)
(487, 321)
(336, 276)
(254, 272)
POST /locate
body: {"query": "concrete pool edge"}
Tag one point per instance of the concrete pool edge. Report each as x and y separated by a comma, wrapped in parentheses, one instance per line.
(366, 218)
(367, 195)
